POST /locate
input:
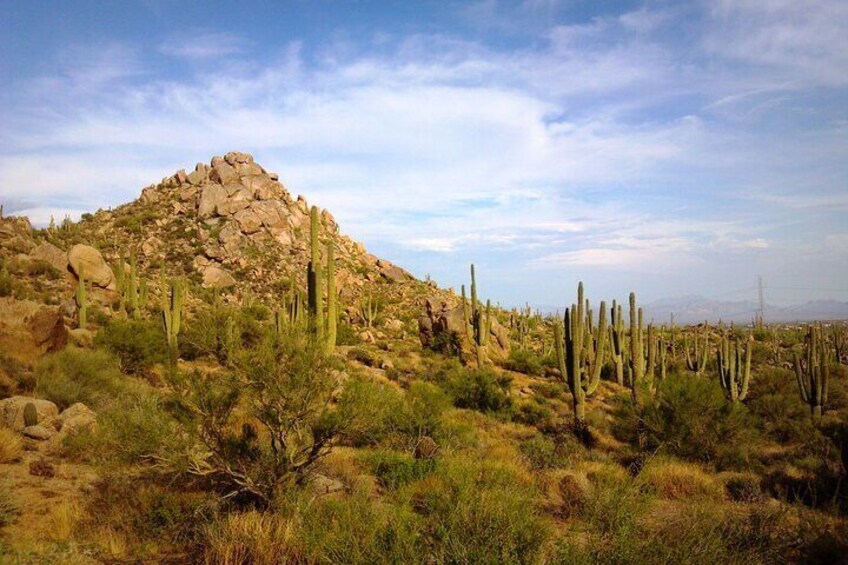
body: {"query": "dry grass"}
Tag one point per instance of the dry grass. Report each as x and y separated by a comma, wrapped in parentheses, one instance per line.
(248, 538)
(676, 480)
(62, 521)
(11, 447)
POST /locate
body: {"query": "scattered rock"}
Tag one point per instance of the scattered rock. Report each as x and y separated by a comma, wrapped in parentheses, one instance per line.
(38, 432)
(12, 411)
(426, 448)
(217, 277)
(42, 468)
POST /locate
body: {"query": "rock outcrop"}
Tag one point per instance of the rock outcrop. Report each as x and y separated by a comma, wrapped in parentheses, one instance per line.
(12, 411)
(93, 265)
(443, 322)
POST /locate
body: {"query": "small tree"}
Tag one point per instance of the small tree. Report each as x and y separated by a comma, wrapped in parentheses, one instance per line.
(281, 393)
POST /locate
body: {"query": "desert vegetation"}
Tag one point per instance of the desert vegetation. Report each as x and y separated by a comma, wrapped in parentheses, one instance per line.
(326, 407)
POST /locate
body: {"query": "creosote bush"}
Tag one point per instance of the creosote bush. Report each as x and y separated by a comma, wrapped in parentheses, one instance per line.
(78, 375)
(138, 344)
(689, 417)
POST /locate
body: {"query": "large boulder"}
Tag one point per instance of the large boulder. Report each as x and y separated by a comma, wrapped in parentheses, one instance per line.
(12, 411)
(51, 254)
(213, 195)
(76, 418)
(28, 330)
(93, 265)
(216, 277)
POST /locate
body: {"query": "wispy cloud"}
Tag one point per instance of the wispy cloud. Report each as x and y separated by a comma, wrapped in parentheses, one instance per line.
(203, 44)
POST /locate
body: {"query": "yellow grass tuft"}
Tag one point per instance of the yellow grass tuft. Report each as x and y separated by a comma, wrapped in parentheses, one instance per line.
(248, 538)
(11, 447)
(678, 480)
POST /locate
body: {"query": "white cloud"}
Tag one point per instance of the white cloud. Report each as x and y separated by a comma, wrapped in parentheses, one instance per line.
(199, 44)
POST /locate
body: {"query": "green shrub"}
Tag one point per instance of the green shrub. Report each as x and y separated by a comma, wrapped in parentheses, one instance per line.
(690, 417)
(346, 334)
(524, 361)
(394, 469)
(774, 400)
(480, 389)
(138, 344)
(363, 356)
(78, 375)
(543, 452)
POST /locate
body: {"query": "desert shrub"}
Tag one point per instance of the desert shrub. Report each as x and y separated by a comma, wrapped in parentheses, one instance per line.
(363, 356)
(11, 447)
(775, 402)
(78, 375)
(285, 385)
(40, 267)
(690, 418)
(447, 343)
(138, 344)
(9, 509)
(743, 487)
(145, 509)
(133, 428)
(543, 452)
(214, 332)
(394, 469)
(524, 361)
(357, 529)
(671, 479)
(483, 390)
(531, 413)
(346, 334)
(479, 512)
(374, 411)
(5, 279)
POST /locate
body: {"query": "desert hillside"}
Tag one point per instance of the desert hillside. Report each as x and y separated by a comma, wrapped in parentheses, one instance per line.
(214, 373)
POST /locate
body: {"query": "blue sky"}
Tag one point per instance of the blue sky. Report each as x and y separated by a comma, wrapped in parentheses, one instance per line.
(669, 148)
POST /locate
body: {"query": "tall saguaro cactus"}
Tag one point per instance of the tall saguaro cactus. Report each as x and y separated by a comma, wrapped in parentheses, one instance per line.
(618, 350)
(477, 322)
(812, 372)
(734, 371)
(173, 301)
(332, 308)
(637, 347)
(82, 303)
(315, 282)
(697, 360)
(581, 353)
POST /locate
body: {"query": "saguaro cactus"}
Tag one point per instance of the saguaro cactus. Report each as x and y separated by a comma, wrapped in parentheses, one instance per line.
(315, 280)
(697, 361)
(734, 373)
(637, 348)
(812, 372)
(82, 303)
(332, 313)
(173, 301)
(478, 324)
(618, 351)
(580, 365)
(30, 414)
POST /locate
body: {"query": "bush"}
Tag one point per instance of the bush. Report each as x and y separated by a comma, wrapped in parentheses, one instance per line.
(524, 361)
(690, 418)
(138, 344)
(543, 452)
(394, 469)
(483, 390)
(77, 375)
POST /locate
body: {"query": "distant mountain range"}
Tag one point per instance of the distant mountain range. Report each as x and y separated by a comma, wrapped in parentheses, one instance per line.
(693, 308)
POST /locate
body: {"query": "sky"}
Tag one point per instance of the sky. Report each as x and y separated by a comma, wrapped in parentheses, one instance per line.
(668, 148)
